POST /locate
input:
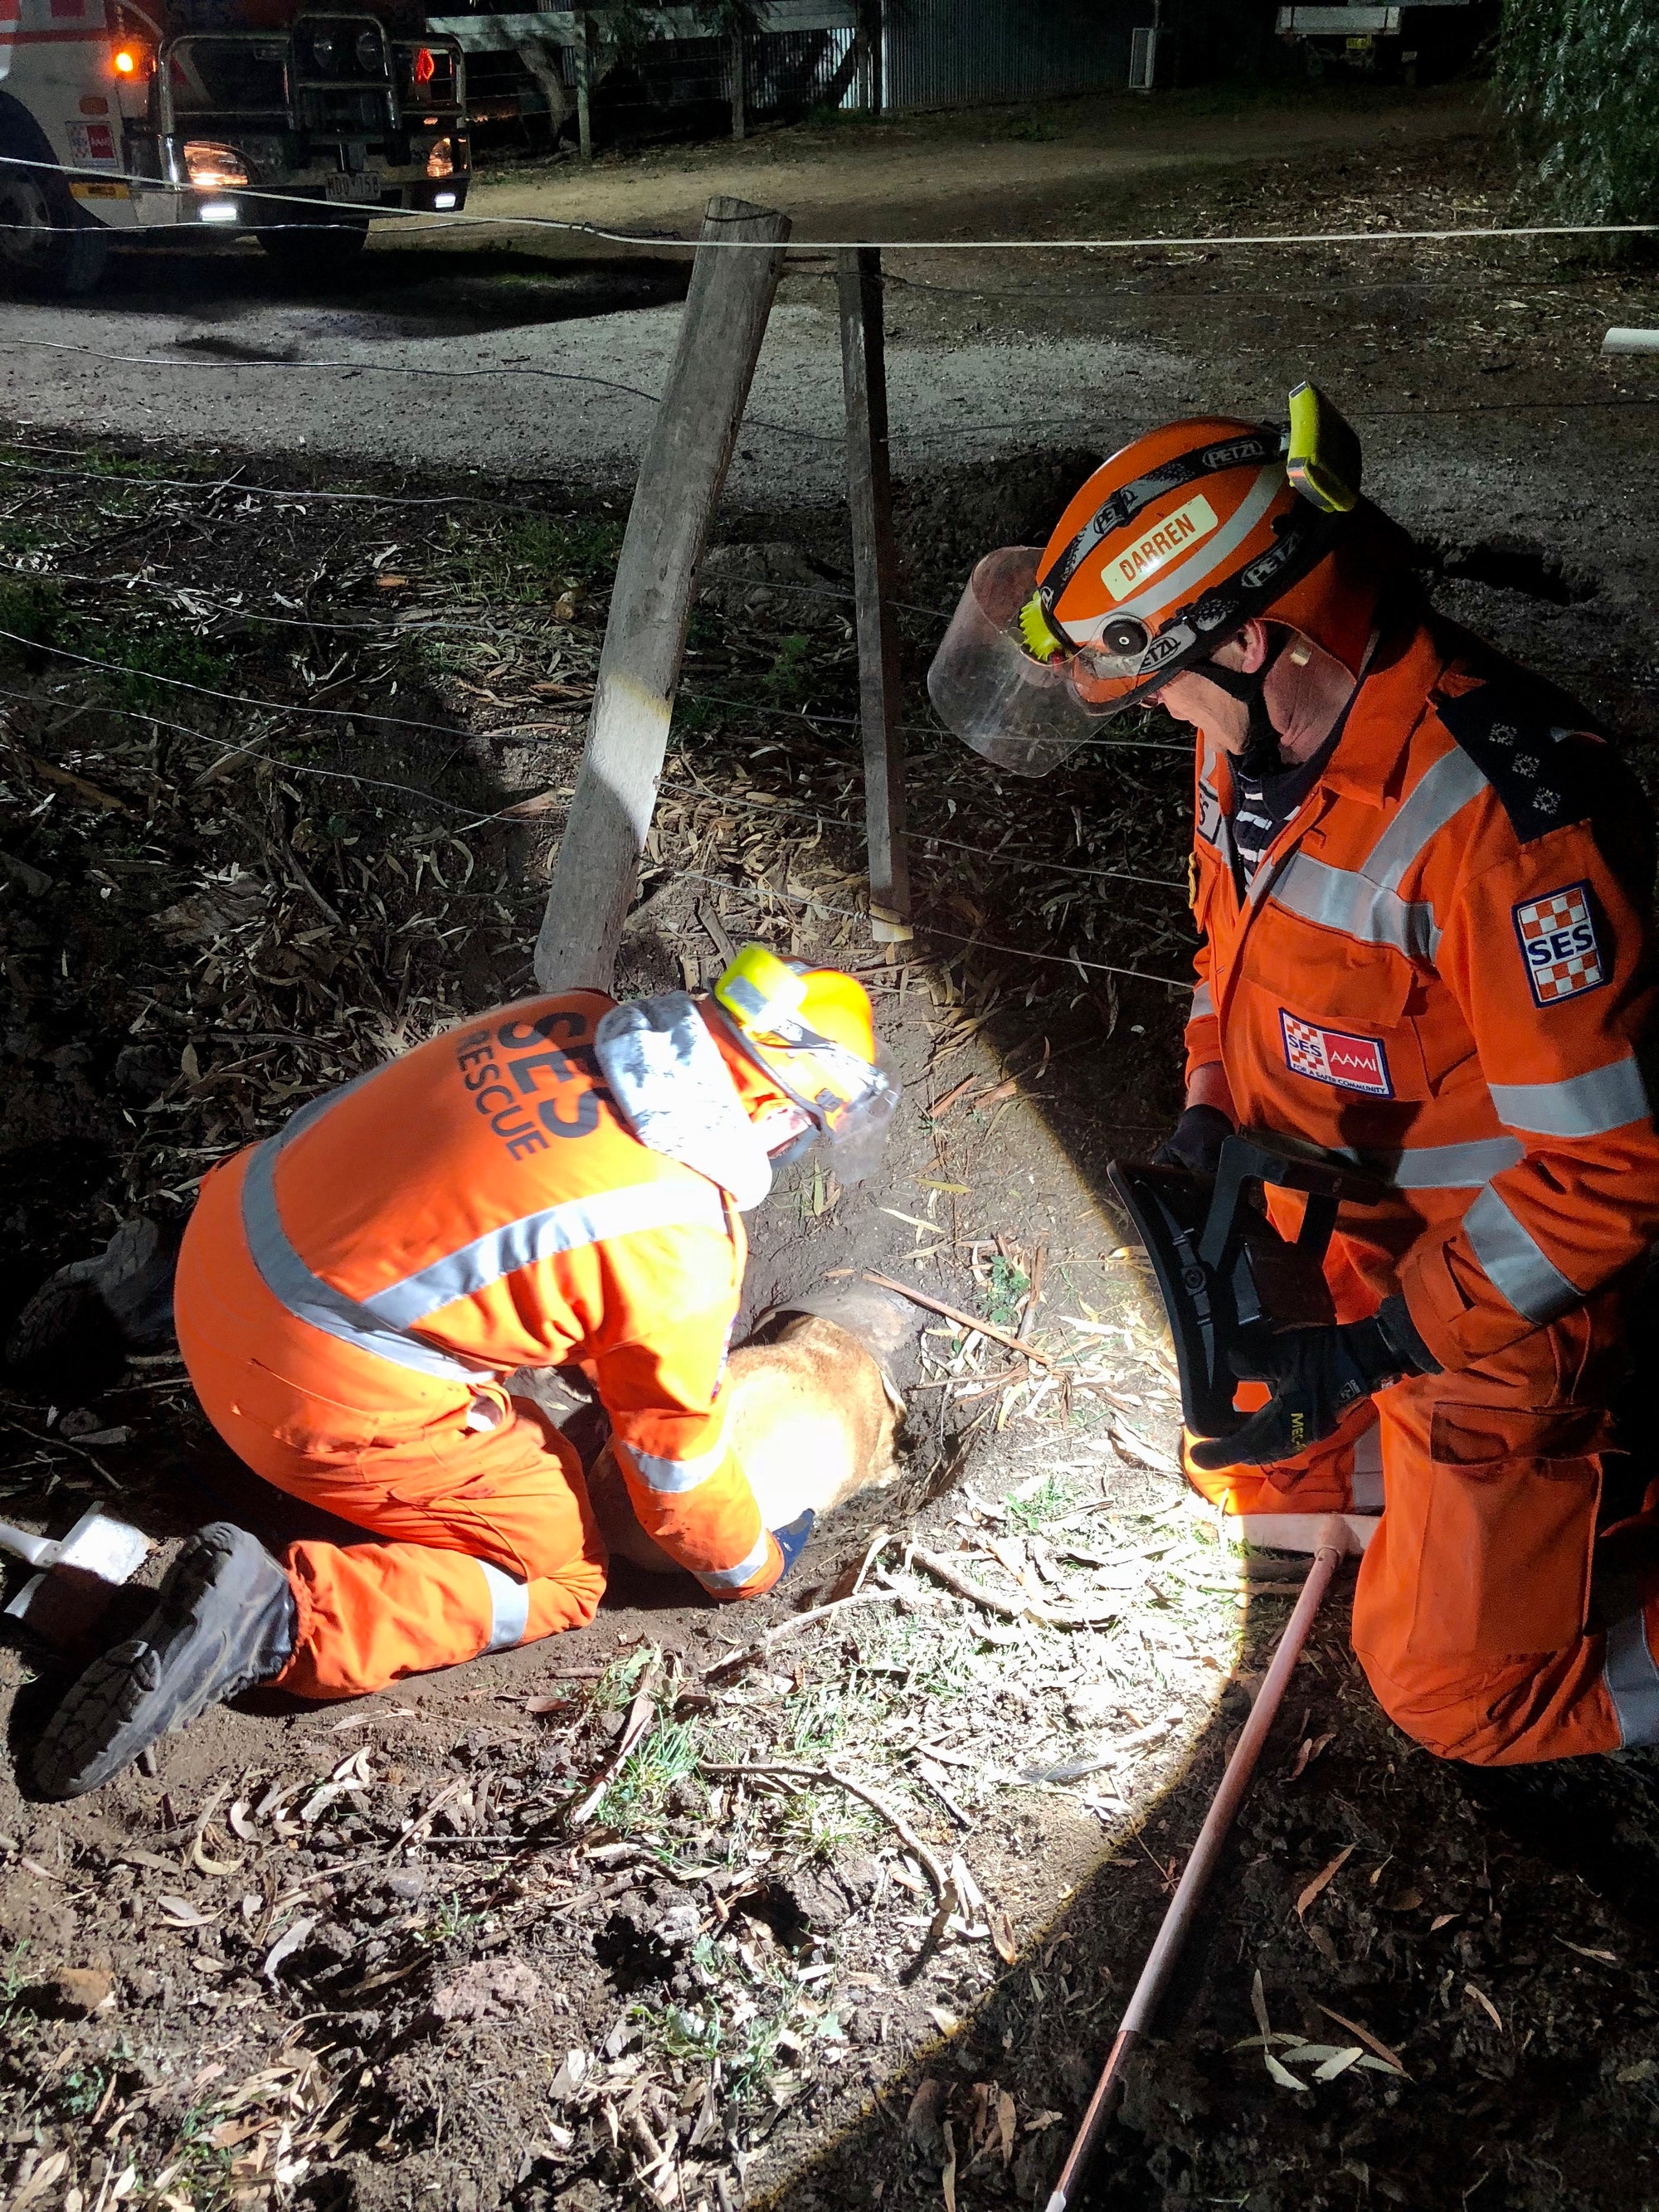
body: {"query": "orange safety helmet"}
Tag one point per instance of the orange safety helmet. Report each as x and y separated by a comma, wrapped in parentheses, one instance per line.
(1167, 551)
(812, 1033)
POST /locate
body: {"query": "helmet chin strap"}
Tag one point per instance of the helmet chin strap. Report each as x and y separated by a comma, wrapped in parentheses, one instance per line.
(1261, 756)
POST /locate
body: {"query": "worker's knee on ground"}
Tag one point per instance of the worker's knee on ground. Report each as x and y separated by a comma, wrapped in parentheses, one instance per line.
(1519, 1712)
(1452, 1721)
(568, 1599)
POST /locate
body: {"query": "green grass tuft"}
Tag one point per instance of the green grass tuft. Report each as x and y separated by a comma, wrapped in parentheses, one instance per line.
(636, 1795)
(1009, 1285)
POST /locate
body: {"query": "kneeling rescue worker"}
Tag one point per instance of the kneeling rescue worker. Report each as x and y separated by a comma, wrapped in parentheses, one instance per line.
(1421, 879)
(558, 1182)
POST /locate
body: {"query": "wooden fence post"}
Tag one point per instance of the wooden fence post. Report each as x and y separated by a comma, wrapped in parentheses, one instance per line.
(739, 86)
(679, 482)
(875, 575)
(584, 86)
(871, 88)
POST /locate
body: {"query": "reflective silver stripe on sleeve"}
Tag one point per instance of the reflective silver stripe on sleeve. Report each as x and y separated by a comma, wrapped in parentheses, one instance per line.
(1632, 1681)
(1366, 1481)
(510, 1606)
(309, 1299)
(722, 1578)
(1579, 1105)
(1338, 899)
(665, 1202)
(1515, 1265)
(671, 1477)
(1446, 1167)
(1203, 1001)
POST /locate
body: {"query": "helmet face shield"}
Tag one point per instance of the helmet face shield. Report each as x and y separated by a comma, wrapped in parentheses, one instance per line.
(1167, 550)
(991, 691)
(857, 1137)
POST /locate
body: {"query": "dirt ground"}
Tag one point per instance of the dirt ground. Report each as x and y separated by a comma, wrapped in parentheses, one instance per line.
(517, 1935)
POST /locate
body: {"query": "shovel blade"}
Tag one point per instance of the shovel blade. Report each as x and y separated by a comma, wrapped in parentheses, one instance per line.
(98, 1545)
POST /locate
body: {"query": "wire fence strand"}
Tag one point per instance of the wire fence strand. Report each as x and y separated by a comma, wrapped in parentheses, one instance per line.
(1209, 241)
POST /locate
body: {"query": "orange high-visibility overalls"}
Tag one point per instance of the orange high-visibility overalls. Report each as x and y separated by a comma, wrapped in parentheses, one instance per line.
(1442, 967)
(353, 1294)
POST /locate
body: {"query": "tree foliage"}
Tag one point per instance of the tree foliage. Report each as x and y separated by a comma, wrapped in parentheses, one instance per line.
(1581, 78)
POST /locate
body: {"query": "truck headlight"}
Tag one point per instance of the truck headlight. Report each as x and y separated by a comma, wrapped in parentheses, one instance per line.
(213, 167)
(440, 161)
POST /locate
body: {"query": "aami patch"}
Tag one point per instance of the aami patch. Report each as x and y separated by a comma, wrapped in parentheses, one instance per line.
(1558, 943)
(1352, 1063)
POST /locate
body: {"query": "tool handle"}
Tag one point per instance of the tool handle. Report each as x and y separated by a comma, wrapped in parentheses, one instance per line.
(1200, 1865)
(39, 1551)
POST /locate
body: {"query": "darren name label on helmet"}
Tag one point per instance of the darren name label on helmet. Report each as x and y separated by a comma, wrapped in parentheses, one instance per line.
(1182, 528)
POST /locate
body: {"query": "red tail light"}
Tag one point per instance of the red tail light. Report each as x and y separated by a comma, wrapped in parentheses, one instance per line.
(425, 67)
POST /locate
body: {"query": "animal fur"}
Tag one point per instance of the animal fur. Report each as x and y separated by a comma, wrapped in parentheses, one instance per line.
(812, 1420)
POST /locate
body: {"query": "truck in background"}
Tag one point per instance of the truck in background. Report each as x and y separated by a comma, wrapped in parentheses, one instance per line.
(1412, 42)
(137, 122)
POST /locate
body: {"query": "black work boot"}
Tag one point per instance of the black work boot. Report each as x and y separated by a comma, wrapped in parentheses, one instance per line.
(224, 1619)
(75, 1332)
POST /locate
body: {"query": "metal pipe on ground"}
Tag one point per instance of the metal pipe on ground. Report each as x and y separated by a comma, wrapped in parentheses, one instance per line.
(1335, 1540)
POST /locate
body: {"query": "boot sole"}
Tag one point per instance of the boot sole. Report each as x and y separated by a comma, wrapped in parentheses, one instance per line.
(106, 1708)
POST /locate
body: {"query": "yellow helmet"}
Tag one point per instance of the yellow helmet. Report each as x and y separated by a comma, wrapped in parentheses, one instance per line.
(811, 1031)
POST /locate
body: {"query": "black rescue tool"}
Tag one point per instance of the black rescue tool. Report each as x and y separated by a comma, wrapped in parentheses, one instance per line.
(1227, 1278)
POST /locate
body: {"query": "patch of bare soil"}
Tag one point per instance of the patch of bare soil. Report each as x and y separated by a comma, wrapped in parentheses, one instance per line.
(975, 173)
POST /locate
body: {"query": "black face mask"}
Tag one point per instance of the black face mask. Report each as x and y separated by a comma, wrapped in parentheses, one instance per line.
(1261, 756)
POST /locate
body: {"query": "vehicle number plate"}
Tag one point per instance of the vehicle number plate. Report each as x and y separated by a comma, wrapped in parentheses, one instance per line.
(354, 189)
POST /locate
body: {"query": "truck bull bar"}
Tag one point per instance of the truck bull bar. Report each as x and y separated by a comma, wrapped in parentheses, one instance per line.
(307, 90)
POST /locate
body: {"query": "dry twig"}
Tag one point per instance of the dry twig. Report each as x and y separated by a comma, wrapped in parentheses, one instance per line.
(1024, 1608)
(761, 1644)
(928, 1861)
(963, 1320)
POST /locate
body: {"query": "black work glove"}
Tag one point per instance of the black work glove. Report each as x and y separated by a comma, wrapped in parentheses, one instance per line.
(1196, 1141)
(1317, 1374)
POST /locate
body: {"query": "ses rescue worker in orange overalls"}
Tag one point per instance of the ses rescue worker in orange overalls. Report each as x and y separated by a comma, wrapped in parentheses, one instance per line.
(1422, 884)
(558, 1182)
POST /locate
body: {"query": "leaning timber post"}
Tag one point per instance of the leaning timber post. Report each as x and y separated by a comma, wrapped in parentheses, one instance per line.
(679, 482)
(875, 574)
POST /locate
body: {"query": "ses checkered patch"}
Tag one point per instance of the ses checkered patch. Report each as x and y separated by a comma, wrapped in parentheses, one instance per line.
(1558, 943)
